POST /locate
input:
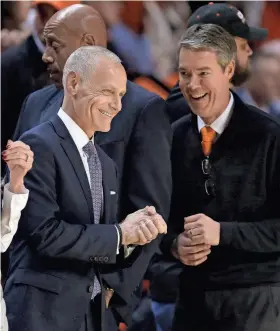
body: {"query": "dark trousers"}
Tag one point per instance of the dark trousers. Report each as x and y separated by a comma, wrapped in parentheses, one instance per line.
(243, 309)
(92, 319)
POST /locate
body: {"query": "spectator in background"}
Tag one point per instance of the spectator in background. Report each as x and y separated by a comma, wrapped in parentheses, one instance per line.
(13, 17)
(127, 38)
(263, 87)
(22, 68)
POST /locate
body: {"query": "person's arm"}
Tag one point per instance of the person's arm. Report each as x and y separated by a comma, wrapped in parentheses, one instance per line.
(13, 204)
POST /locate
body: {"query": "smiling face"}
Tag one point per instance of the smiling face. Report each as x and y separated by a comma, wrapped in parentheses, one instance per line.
(97, 101)
(204, 83)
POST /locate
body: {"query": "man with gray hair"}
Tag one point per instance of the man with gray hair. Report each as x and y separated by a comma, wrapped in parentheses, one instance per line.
(224, 225)
(70, 258)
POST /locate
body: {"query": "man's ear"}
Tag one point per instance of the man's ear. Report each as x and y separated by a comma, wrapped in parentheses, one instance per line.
(88, 40)
(72, 83)
(230, 69)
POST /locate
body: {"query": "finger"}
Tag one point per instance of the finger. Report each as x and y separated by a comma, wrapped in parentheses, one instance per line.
(17, 156)
(198, 256)
(18, 143)
(21, 163)
(196, 240)
(141, 236)
(196, 262)
(195, 249)
(151, 210)
(191, 226)
(148, 235)
(160, 224)
(196, 231)
(152, 228)
(18, 149)
(192, 218)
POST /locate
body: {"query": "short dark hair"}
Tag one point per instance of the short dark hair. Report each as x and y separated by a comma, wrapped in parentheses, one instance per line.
(210, 37)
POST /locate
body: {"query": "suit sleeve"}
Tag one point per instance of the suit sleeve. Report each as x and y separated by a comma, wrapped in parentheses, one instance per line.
(147, 181)
(260, 236)
(40, 224)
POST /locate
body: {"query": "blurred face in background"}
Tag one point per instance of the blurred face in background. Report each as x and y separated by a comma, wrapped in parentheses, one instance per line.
(242, 66)
(264, 84)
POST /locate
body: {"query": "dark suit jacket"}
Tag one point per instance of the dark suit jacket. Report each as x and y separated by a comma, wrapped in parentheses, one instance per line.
(21, 72)
(139, 142)
(177, 105)
(58, 249)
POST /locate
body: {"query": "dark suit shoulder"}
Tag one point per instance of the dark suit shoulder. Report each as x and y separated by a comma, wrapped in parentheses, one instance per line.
(44, 93)
(43, 132)
(13, 56)
(138, 94)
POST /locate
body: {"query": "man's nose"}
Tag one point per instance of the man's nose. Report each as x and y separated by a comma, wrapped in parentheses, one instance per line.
(47, 57)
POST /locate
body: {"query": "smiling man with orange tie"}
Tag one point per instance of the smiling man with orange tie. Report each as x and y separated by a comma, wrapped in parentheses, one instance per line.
(224, 224)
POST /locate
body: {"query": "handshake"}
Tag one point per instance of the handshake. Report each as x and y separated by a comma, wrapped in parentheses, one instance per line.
(142, 226)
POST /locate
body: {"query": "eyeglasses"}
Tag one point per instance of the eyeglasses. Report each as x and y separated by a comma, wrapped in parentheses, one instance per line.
(209, 184)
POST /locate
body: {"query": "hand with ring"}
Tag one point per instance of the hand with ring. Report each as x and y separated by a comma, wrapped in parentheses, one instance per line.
(19, 159)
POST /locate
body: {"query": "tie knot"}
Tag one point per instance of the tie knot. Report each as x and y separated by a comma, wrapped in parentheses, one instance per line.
(208, 134)
(89, 149)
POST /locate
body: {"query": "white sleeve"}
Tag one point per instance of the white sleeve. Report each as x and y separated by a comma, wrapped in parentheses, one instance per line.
(13, 204)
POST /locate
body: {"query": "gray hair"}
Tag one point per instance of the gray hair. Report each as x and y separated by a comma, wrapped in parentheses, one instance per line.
(84, 60)
(210, 37)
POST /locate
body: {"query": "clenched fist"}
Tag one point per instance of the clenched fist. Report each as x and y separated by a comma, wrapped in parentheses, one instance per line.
(142, 227)
(19, 159)
(188, 254)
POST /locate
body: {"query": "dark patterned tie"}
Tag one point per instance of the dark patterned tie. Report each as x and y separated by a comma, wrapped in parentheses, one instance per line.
(95, 171)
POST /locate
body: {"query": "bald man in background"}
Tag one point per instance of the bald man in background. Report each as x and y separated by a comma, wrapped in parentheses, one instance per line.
(140, 137)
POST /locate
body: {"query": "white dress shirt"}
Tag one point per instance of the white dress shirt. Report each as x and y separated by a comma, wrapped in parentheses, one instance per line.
(221, 122)
(80, 139)
(13, 204)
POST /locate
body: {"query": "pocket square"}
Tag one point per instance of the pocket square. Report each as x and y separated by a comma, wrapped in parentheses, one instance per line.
(112, 192)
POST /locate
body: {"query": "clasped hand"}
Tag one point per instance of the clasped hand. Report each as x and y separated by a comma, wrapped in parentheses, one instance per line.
(141, 227)
(194, 244)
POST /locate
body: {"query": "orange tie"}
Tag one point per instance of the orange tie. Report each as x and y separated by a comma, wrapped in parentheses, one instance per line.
(208, 136)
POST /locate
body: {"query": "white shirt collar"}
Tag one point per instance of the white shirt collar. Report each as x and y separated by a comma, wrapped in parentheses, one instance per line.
(78, 135)
(221, 122)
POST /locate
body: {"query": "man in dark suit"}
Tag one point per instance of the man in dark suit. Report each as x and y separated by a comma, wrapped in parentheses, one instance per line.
(233, 21)
(68, 230)
(140, 137)
(225, 164)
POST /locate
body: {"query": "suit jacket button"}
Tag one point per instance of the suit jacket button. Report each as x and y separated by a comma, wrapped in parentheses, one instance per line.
(106, 259)
(90, 288)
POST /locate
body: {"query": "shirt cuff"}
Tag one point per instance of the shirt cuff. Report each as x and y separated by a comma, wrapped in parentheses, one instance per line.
(117, 251)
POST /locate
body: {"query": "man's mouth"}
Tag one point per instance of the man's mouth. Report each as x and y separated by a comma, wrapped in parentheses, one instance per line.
(198, 96)
(105, 113)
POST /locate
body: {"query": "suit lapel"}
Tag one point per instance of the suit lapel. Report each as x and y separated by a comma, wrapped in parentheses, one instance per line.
(74, 157)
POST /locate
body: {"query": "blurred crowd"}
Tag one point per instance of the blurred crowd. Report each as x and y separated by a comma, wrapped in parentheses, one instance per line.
(145, 35)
